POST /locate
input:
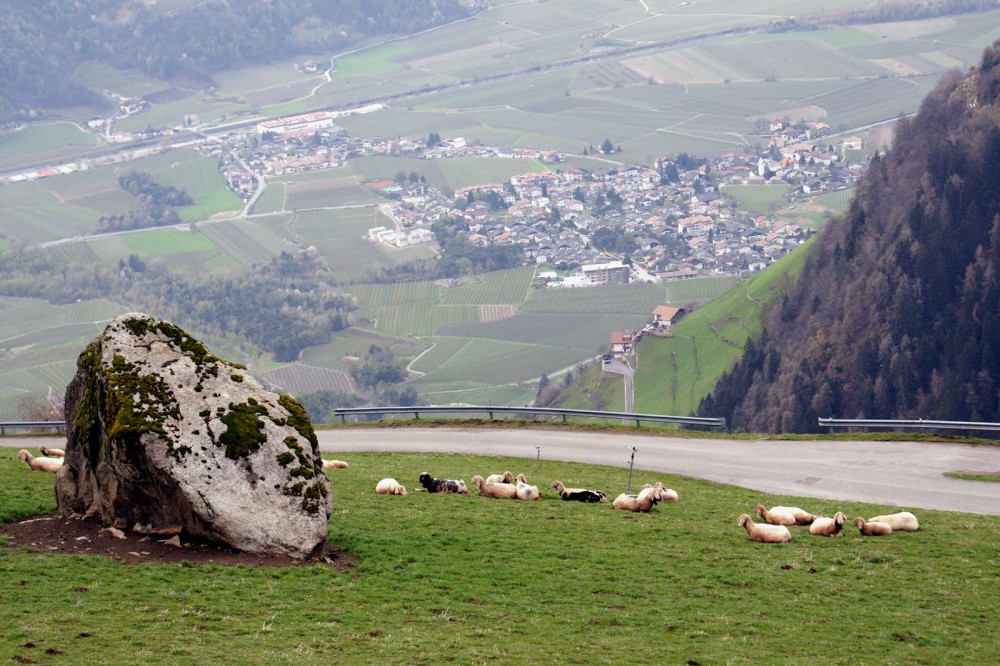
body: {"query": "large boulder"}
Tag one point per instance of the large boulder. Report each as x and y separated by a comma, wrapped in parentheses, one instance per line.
(164, 437)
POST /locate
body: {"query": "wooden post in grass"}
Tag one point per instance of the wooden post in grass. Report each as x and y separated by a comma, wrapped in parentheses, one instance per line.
(538, 457)
(631, 462)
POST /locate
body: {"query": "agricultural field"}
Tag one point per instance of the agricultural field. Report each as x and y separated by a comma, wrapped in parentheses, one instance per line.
(759, 199)
(329, 192)
(301, 379)
(40, 141)
(635, 299)
(39, 345)
(698, 290)
(105, 78)
(272, 200)
(444, 174)
(197, 175)
(497, 287)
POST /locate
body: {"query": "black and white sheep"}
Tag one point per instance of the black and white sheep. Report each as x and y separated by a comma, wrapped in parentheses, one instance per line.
(433, 485)
(578, 494)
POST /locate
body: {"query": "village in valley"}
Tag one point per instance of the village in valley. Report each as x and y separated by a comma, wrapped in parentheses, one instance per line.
(620, 223)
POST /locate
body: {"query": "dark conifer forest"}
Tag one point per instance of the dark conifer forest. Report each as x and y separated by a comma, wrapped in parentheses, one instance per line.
(897, 311)
(45, 40)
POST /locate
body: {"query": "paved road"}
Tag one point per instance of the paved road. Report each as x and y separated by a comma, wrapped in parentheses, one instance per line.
(904, 474)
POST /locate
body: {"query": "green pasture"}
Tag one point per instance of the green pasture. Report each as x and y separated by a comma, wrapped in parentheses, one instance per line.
(41, 139)
(370, 62)
(496, 362)
(445, 174)
(417, 319)
(576, 595)
(162, 242)
(197, 175)
(674, 373)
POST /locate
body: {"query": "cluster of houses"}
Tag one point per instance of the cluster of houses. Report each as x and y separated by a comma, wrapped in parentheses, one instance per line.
(677, 228)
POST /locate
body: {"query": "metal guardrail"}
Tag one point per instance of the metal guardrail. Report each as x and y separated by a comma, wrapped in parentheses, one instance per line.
(416, 411)
(58, 426)
(919, 424)
(705, 422)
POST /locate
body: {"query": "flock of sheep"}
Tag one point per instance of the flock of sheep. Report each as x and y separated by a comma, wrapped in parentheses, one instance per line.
(774, 529)
(507, 486)
(778, 519)
(50, 460)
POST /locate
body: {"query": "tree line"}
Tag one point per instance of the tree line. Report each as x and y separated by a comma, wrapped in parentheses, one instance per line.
(896, 312)
(44, 41)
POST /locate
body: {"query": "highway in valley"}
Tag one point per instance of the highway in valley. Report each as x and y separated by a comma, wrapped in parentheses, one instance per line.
(905, 474)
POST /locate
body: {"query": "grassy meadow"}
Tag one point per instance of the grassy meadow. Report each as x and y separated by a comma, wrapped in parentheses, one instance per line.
(452, 578)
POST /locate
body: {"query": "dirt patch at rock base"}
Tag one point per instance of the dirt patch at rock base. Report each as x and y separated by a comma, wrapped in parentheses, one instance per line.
(70, 536)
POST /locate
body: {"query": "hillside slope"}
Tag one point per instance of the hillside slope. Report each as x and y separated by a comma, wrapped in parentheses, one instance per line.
(897, 309)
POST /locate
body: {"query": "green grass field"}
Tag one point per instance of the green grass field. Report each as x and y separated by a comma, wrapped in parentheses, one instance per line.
(430, 577)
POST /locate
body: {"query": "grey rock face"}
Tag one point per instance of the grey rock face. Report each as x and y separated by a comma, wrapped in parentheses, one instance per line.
(164, 437)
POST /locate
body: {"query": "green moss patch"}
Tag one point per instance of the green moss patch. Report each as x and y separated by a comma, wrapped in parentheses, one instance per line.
(244, 430)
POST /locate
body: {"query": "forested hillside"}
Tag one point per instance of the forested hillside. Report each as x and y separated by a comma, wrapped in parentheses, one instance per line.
(45, 40)
(897, 311)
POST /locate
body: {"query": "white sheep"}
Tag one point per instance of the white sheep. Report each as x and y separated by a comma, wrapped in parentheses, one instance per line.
(525, 491)
(872, 527)
(506, 477)
(643, 502)
(335, 464)
(824, 526)
(764, 532)
(666, 494)
(52, 453)
(40, 464)
(904, 521)
(497, 490)
(390, 486)
(784, 515)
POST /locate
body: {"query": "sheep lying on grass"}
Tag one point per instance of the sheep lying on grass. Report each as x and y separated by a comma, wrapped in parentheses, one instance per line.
(433, 485)
(904, 521)
(824, 526)
(666, 494)
(872, 527)
(526, 491)
(334, 464)
(643, 502)
(52, 453)
(578, 494)
(506, 477)
(763, 532)
(784, 515)
(390, 486)
(40, 464)
(498, 490)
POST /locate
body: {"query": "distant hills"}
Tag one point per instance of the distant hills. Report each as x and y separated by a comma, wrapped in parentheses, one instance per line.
(896, 313)
(181, 40)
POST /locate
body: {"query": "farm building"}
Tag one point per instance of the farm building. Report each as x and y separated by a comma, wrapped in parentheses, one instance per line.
(665, 315)
(622, 343)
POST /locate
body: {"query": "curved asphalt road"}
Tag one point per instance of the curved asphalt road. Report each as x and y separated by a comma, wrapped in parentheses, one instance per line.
(905, 474)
